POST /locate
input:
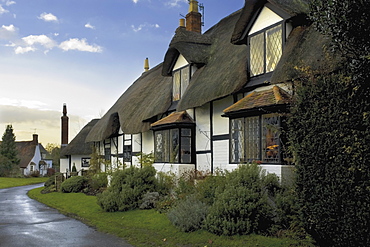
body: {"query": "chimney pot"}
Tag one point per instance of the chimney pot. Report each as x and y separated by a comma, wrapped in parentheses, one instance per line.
(146, 65)
(182, 22)
(35, 139)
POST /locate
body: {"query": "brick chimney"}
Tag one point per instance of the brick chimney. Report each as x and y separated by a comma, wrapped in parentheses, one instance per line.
(35, 139)
(65, 120)
(193, 18)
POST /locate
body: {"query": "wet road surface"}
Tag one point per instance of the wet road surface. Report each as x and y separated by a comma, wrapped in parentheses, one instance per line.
(25, 222)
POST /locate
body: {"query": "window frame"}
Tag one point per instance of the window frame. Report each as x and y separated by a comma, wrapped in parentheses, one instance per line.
(168, 142)
(261, 149)
(283, 39)
(180, 86)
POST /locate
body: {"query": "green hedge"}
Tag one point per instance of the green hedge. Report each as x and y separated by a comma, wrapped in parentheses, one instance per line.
(330, 136)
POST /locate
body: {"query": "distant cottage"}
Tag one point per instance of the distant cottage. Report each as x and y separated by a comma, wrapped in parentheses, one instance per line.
(34, 159)
(219, 98)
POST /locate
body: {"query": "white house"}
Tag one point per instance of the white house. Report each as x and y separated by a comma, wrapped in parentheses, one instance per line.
(220, 97)
(33, 157)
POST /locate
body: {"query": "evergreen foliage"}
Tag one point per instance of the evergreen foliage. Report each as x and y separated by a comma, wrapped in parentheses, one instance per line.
(9, 160)
(74, 184)
(241, 207)
(127, 188)
(330, 133)
(189, 214)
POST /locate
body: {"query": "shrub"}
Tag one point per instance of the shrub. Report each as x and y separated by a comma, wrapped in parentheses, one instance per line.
(127, 189)
(149, 200)
(206, 188)
(242, 206)
(97, 183)
(189, 214)
(330, 134)
(74, 184)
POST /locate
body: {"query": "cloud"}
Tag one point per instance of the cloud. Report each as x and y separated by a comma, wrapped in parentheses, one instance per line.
(175, 3)
(135, 1)
(48, 17)
(8, 3)
(2, 10)
(10, 28)
(80, 45)
(39, 39)
(145, 25)
(88, 25)
(8, 32)
(22, 50)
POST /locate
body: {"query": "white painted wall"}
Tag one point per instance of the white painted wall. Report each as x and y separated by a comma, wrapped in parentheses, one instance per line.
(203, 128)
(148, 142)
(221, 124)
(181, 62)
(220, 154)
(266, 18)
(204, 162)
(176, 169)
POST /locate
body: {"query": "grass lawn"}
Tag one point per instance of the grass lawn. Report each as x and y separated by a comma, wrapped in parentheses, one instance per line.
(13, 182)
(146, 227)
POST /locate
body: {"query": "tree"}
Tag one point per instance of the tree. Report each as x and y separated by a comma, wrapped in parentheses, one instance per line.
(330, 131)
(54, 151)
(9, 160)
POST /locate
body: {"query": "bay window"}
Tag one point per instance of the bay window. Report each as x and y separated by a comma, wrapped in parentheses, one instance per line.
(256, 139)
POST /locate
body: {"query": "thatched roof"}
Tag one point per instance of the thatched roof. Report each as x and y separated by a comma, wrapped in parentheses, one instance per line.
(26, 151)
(225, 70)
(305, 52)
(251, 7)
(148, 96)
(262, 99)
(78, 146)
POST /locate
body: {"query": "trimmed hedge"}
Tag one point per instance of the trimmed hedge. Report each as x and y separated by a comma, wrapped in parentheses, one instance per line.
(74, 184)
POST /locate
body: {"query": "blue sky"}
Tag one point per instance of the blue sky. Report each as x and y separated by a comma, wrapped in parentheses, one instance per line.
(84, 53)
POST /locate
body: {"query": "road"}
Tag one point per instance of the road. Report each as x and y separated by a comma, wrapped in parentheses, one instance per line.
(26, 222)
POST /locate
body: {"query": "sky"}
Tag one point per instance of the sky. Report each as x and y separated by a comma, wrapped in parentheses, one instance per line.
(84, 53)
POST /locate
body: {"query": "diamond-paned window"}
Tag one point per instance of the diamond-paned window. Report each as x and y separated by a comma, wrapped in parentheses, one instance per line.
(265, 49)
(256, 139)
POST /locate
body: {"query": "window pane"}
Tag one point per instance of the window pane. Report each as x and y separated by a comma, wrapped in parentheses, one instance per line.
(158, 150)
(252, 138)
(237, 140)
(257, 54)
(174, 155)
(176, 86)
(184, 80)
(185, 132)
(273, 47)
(270, 138)
(186, 150)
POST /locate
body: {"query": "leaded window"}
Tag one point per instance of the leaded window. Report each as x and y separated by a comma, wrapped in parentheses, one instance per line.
(255, 139)
(173, 145)
(265, 50)
(181, 80)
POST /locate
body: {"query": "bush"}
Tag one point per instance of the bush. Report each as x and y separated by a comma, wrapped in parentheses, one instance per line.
(74, 184)
(149, 200)
(330, 135)
(189, 214)
(97, 183)
(242, 206)
(127, 189)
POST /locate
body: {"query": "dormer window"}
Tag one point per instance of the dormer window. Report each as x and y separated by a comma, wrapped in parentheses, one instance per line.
(266, 48)
(265, 40)
(181, 78)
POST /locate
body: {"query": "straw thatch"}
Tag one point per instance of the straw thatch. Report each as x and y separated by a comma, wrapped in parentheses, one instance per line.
(225, 70)
(78, 146)
(148, 96)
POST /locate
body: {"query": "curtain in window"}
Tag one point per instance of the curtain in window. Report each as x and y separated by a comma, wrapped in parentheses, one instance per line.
(176, 85)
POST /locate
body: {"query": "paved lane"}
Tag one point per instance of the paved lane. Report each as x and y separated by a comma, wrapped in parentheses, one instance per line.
(26, 222)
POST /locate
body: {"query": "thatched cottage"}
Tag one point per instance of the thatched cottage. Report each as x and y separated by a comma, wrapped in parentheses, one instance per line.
(34, 159)
(219, 97)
